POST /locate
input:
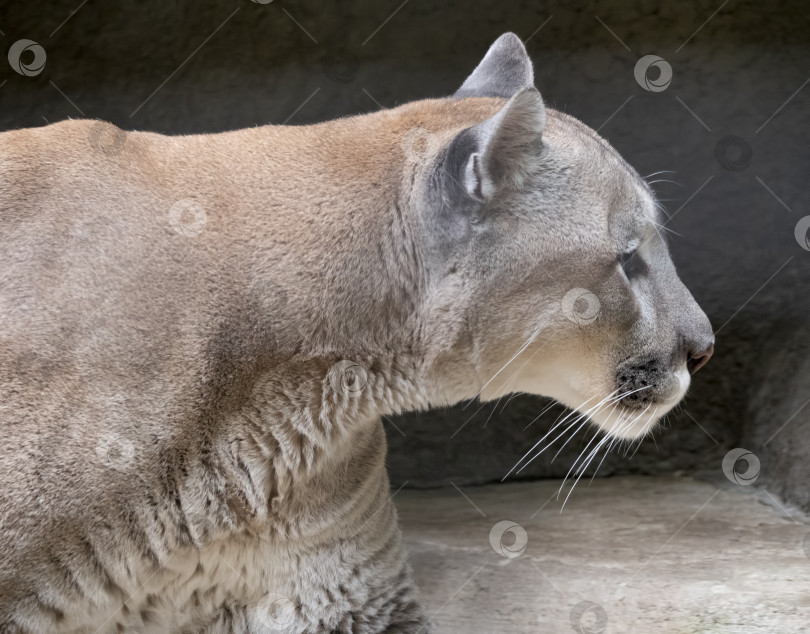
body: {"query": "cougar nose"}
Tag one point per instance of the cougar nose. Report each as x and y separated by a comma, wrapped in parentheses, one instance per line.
(695, 361)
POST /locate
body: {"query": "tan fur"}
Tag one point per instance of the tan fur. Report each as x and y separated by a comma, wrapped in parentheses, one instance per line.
(191, 405)
(101, 270)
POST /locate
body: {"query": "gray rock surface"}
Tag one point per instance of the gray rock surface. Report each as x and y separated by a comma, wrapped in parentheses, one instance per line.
(739, 70)
(670, 555)
(778, 419)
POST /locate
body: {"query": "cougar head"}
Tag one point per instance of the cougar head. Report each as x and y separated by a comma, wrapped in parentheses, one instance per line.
(547, 248)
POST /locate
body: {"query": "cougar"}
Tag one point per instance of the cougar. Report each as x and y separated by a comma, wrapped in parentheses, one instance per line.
(199, 335)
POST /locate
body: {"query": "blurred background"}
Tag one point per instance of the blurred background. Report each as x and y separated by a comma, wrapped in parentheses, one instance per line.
(730, 128)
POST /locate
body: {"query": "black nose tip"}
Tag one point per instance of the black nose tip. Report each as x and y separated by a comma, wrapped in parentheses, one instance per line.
(697, 361)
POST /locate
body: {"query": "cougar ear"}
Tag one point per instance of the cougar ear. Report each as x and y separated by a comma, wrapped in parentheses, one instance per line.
(497, 152)
(505, 69)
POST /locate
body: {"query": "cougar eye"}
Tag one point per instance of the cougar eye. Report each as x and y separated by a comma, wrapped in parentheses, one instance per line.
(632, 264)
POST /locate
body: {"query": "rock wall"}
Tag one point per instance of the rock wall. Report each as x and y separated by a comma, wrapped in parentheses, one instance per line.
(731, 125)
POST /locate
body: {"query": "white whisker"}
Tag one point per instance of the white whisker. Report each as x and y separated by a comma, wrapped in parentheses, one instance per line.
(593, 455)
(514, 394)
(529, 342)
(622, 417)
(546, 435)
(579, 417)
(615, 428)
(583, 415)
(536, 418)
(659, 172)
(584, 422)
(658, 226)
(466, 422)
(616, 400)
(605, 455)
(486, 422)
(598, 445)
(660, 206)
(509, 381)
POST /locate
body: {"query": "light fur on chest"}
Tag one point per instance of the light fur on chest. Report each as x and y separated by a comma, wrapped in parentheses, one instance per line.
(286, 571)
(250, 584)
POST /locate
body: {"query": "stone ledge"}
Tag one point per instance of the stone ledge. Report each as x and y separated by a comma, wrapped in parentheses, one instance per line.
(651, 554)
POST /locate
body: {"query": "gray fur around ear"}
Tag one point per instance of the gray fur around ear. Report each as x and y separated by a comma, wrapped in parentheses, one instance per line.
(497, 152)
(505, 69)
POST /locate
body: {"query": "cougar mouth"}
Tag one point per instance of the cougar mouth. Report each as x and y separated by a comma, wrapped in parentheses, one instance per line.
(637, 403)
(617, 415)
(646, 383)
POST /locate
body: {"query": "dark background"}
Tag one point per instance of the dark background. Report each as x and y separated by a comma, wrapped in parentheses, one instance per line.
(740, 69)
